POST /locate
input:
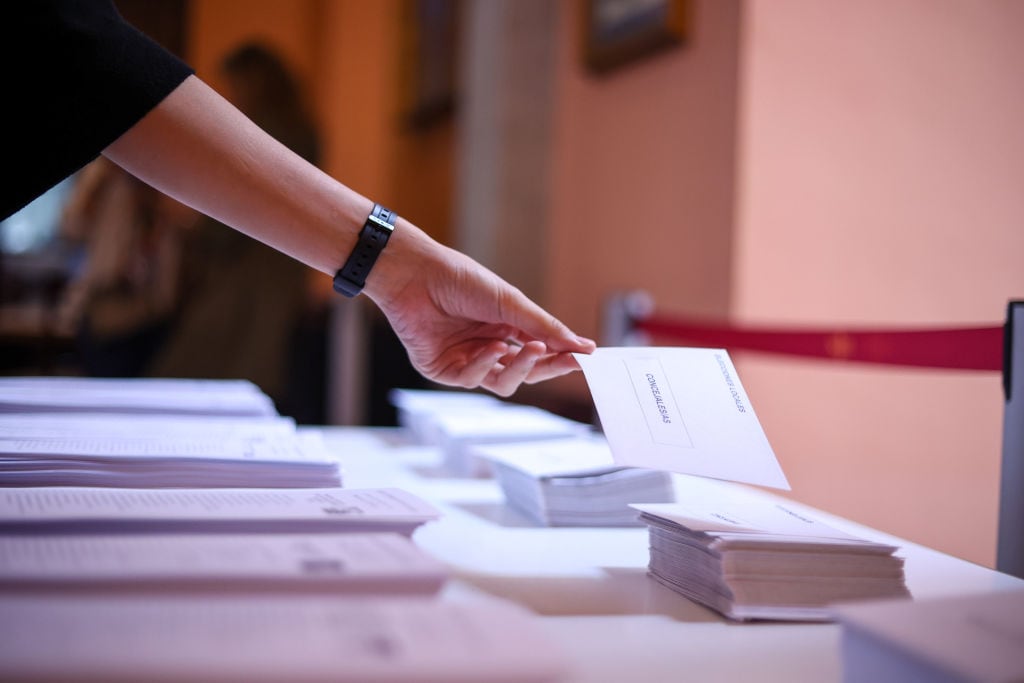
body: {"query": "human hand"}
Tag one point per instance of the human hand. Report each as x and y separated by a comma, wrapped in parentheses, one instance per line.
(461, 324)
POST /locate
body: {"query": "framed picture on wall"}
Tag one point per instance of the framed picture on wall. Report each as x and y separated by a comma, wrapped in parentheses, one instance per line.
(618, 32)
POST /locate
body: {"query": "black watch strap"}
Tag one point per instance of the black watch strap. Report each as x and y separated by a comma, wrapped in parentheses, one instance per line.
(377, 229)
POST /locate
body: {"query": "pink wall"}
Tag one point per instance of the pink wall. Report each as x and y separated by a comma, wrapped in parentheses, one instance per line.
(872, 175)
(880, 163)
(643, 175)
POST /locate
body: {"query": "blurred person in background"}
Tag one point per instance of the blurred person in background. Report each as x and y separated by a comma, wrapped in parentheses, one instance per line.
(119, 305)
(230, 308)
(243, 306)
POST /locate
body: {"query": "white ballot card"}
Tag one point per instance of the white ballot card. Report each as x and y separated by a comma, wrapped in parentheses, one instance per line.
(682, 410)
(735, 518)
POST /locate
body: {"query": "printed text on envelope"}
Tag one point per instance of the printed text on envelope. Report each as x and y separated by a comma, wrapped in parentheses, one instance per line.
(659, 406)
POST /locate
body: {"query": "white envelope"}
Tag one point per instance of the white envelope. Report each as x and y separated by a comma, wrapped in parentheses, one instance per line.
(682, 410)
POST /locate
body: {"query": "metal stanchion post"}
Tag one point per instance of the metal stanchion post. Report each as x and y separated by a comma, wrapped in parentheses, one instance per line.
(1010, 551)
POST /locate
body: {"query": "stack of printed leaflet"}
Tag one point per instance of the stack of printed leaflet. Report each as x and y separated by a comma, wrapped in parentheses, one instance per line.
(573, 481)
(751, 557)
(417, 408)
(325, 563)
(61, 510)
(458, 421)
(153, 434)
(114, 425)
(201, 537)
(271, 638)
(458, 433)
(205, 460)
(236, 398)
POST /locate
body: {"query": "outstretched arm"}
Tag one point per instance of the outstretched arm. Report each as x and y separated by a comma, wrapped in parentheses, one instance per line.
(461, 324)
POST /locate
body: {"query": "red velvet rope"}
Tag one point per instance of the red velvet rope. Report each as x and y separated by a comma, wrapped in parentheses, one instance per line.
(970, 348)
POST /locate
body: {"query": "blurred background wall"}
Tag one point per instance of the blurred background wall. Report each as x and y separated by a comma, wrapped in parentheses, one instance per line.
(817, 163)
(880, 183)
(803, 162)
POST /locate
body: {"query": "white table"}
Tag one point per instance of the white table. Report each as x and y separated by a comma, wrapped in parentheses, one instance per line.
(590, 586)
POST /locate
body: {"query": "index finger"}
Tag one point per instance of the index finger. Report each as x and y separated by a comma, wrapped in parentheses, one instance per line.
(540, 325)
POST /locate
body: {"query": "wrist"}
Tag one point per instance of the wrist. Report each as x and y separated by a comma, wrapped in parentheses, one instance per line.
(373, 238)
(404, 262)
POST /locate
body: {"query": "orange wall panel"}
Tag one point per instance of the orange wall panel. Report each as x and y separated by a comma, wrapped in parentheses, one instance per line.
(216, 27)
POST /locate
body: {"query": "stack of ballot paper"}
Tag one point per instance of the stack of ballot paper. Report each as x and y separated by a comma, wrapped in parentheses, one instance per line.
(67, 431)
(952, 639)
(573, 482)
(459, 432)
(167, 396)
(456, 421)
(102, 511)
(417, 408)
(753, 558)
(262, 639)
(126, 563)
(207, 459)
(114, 425)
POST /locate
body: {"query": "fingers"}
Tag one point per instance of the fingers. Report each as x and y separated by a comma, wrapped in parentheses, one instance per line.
(502, 367)
(538, 324)
(475, 373)
(553, 365)
(505, 377)
(529, 364)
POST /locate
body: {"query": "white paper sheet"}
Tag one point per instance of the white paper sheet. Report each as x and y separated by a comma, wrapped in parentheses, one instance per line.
(325, 563)
(147, 384)
(682, 410)
(282, 638)
(749, 518)
(179, 396)
(77, 510)
(296, 448)
(31, 425)
(418, 407)
(458, 432)
(572, 481)
(505, 422)
(181, 460)
(579, 456)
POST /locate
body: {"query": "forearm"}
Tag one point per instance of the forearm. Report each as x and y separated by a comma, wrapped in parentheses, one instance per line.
(199, 149)
(460, 323)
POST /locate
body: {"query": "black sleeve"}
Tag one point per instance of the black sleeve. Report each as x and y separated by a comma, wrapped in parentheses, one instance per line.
(76, 76)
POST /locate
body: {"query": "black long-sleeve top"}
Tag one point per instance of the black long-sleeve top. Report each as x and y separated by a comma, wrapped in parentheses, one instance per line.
(76, 77)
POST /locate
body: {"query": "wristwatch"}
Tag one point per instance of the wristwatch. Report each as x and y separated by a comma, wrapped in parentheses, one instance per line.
(374, 236)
